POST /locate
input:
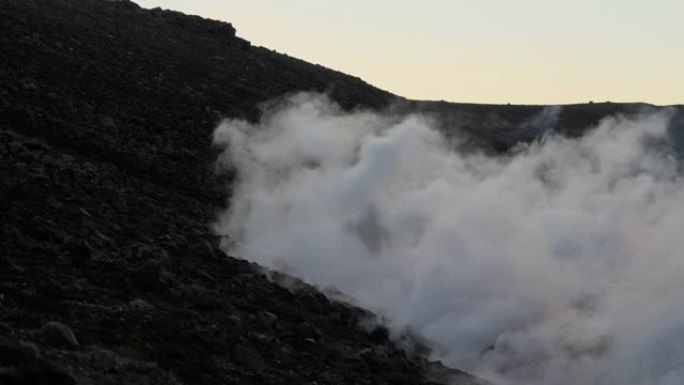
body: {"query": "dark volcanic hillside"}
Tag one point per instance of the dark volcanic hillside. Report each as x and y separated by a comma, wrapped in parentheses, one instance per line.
(107, 189)
(142, 88)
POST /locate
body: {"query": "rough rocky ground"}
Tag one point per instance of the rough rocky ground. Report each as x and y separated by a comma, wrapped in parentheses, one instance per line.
(109, 272)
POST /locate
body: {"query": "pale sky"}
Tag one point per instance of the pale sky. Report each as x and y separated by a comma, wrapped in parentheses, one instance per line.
(490, 51)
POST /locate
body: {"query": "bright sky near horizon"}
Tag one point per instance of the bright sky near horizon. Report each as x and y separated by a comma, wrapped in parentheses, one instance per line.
(489, 51)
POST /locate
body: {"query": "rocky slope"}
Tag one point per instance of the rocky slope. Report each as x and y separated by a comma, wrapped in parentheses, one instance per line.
(108, 270)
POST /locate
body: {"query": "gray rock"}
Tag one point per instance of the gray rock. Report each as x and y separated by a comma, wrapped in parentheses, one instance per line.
(364, 354)
(307, 330)
(94, 365)
(5, 329)
(57, 334)
(79, 250)
(267, 319)
(141, 305)
(15, 352)
(249, 357)
(235, 321)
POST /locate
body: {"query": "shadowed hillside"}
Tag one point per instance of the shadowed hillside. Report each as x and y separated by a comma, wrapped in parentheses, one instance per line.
(109, 272)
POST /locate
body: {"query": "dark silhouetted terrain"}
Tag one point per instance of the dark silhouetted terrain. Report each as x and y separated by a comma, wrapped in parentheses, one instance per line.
(107, 190)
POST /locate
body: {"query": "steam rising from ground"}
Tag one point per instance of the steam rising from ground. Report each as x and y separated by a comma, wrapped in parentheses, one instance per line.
(560, 263)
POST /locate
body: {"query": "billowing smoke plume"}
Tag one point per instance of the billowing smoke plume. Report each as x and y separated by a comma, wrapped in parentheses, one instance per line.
(559, 263)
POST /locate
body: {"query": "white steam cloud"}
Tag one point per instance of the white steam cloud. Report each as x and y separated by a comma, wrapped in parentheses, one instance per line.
(559, 263)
